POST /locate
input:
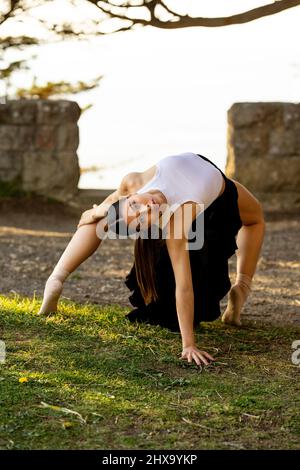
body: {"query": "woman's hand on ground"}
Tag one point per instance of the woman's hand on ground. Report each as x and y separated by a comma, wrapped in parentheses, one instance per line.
(88, 217)
(193, 353)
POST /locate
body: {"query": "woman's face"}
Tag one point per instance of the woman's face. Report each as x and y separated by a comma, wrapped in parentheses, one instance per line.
(143, 209)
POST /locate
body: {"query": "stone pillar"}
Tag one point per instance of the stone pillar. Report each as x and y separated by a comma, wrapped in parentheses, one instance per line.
(38, 144)
(263, 151)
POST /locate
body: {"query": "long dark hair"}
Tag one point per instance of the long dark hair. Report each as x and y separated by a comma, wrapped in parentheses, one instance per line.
(146, 255)
(147, 249)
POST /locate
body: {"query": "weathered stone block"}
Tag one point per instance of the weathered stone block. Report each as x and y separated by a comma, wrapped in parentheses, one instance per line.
(45, 137)
(67, 137)
(11, 159)
(60, 176)
(16, 137)
(18, 112)
(38, 143)
(249, 114)
(57, 112)
(284, 141)
(263, 145)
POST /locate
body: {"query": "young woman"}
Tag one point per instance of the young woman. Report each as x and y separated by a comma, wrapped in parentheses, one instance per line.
(171, 285)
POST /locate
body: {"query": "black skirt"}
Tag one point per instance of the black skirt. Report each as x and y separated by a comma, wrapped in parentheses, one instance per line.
(209, 267)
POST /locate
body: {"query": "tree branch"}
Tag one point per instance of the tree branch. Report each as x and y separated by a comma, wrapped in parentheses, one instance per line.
(145, 13)
(14, 4)
(179, 21)
(112, 14)
(240, 18)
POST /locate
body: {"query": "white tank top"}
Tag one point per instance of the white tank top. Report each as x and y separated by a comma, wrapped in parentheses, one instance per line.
(186, 177)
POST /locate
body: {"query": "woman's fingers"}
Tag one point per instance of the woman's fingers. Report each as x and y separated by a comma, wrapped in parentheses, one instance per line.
(198, 357)
(197, 360)
(208, 355)
(190, 356)
(187, 356)
(203, 359)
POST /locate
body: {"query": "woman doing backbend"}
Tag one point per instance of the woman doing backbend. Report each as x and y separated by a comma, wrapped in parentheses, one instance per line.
(175, 284)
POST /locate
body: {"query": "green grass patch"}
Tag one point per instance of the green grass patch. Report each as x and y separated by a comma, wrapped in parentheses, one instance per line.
(11, 189)
(92, 380)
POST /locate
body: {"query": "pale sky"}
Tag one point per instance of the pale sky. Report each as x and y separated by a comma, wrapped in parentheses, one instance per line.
(167, 92)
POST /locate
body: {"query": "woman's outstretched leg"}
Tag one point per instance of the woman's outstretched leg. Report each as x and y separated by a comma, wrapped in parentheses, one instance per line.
(249, 241)
(82, 245)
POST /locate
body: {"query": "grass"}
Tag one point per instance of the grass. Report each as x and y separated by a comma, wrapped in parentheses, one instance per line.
(92, 380)
(11, 189)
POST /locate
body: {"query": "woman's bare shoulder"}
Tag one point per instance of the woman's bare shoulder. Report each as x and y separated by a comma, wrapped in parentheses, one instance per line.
(134, 180)
(129, 182)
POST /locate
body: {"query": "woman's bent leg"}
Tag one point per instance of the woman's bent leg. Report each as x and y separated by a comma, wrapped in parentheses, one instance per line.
(249, 241)
(82, 245)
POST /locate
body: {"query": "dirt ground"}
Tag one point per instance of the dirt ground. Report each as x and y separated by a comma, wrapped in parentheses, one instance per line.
(34, 233)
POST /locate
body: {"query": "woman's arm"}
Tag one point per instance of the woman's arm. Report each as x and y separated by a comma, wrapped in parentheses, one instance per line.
(98, 211)
(184, 294)
(122, 190)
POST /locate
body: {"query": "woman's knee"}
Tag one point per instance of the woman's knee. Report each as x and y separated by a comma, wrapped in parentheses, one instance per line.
(88, 229)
